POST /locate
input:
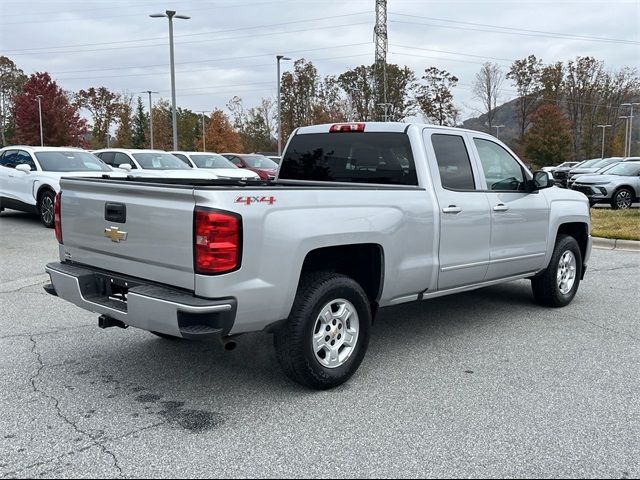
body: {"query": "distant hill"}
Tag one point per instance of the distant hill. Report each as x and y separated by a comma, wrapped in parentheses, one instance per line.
(506, 114)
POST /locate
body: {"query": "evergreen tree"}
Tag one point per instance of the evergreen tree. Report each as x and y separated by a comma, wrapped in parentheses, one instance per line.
(140, 126)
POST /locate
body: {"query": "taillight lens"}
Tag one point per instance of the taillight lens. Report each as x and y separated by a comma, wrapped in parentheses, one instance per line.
(56, 217)
(217, 241)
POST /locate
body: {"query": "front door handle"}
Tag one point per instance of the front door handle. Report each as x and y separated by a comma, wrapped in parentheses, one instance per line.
(500, 208)
(452, 209)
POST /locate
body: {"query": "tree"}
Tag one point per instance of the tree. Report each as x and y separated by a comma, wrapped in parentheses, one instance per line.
(487, 87)
(582, 83)
(526, 77)
(220, 134)
(362, 86)
(189, 129)
(140, 125)
(62, 125)
(435, 99)
(548, 141)
(298, 92)
(124, 133)
(162, 125)
(12, 80)
(103, 106)
(255, 125)
(551, 80)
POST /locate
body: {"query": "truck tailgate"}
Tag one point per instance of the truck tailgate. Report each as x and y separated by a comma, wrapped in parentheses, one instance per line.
(138, 230)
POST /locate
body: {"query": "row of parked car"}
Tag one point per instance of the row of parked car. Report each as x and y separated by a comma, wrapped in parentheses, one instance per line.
(613, 180)
(30, 176)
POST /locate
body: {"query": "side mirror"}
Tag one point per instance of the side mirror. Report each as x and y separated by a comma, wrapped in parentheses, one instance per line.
(541, 180)
(23, 167)
(125, 166)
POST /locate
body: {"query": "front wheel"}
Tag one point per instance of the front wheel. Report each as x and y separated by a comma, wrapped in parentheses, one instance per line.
(45, 207)
(325, 338)
(558, 284)
(622, 199)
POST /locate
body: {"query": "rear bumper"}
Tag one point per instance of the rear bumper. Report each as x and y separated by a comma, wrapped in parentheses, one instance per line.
(148, 306)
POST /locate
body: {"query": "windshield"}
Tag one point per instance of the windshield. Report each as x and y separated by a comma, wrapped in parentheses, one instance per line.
(211, 160)
(70, 161)
(605, 162)
(260, 161)
(624, 169)
(589, 163)
(160, 161)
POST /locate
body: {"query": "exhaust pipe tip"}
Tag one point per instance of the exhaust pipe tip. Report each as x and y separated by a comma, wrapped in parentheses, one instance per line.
(230, 345)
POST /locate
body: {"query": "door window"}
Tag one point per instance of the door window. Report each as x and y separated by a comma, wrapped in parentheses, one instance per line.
(501, 170)
(121, 158)
(107, 157)
(235, 160)
(23, 158)
(454, 164)
(9, 159)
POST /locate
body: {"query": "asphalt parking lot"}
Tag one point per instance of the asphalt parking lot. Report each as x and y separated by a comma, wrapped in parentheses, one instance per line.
(483, 384)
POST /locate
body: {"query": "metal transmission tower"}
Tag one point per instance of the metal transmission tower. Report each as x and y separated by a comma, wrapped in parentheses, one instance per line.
(382, 43)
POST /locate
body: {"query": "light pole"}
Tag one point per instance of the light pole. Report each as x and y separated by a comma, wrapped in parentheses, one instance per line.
(149, 92)
(386, 110)
(498, 127)
(278, 58)
(626, 133)
(39, 98)
(170, 14)
(628, 151)
(603, 127)
(204, 147)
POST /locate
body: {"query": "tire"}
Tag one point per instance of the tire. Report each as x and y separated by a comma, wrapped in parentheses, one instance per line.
(166, 337)
(45, 208)
(622, 199)
(550, 291)
(296, 341)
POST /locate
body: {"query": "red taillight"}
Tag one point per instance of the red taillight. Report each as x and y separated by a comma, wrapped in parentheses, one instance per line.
(347, 127)
(217, 241)
(56, 217)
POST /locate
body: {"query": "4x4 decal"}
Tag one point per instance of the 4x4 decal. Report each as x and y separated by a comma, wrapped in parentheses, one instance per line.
(251, 200)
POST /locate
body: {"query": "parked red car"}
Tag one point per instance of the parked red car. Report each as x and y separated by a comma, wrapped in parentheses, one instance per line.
(263, 166)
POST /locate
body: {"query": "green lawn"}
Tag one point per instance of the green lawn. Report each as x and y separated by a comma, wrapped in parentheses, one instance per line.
(622, 224)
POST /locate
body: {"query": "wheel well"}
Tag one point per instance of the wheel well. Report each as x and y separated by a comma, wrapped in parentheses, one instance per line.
(362, 262)
(41, 191)
(579, 231)
(633, 191)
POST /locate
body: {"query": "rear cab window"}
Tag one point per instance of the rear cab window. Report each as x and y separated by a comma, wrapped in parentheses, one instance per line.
(375, 157)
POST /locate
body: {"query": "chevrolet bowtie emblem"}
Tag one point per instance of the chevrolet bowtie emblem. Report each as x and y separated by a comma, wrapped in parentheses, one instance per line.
(115, 234)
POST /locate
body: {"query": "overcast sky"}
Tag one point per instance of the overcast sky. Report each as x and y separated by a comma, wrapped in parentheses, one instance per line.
(227, 48)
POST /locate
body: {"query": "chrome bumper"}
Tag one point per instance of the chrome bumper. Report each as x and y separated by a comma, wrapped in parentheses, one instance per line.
(147, 306)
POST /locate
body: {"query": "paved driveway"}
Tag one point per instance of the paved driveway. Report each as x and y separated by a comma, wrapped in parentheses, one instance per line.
(480, 384)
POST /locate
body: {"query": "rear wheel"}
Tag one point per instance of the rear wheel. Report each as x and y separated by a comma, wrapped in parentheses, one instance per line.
(558, 284)
(325, 338)
(622, 199)
(45, 208)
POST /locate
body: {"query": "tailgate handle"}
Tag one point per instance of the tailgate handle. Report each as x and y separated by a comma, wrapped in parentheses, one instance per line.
(115, 212)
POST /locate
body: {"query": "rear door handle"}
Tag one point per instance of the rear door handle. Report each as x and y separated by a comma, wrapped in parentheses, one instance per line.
(452, 209)
(500, 208)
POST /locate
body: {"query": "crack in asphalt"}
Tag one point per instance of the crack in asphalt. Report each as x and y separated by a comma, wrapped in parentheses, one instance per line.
(623, 267)
(56, 404)
(43, 334)
(602, 327)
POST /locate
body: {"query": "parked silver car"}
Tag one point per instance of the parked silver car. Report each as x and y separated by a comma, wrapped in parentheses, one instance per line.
(619, 185)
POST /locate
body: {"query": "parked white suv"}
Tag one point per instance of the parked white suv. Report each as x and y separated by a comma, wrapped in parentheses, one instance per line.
(221, 166)
(150, 163)
(30, 176)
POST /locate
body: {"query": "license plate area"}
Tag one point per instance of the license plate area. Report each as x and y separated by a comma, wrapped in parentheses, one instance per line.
(108, 290)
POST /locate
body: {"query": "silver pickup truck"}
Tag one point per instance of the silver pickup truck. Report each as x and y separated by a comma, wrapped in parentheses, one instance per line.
(360, 217)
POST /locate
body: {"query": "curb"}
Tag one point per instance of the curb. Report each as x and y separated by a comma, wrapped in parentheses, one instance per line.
(616, 244)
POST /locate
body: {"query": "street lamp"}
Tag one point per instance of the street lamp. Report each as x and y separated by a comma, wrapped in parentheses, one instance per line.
(603, 127)
(278, 58)
(39, 98)
(626, 133)
(628, 150)
(150, 116)
(171, 14)
(204, 147)
(498, 127)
